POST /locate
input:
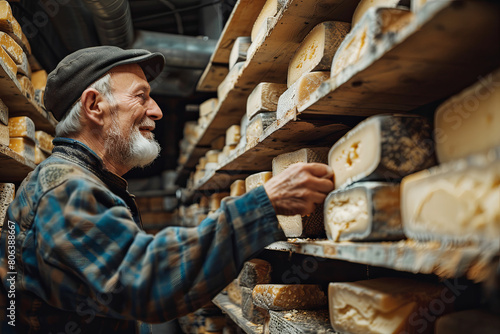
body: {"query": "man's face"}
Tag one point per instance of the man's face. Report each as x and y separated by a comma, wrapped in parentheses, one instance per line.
(129, 139)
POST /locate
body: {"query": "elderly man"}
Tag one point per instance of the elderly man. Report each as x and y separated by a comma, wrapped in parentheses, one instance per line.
(82, 262)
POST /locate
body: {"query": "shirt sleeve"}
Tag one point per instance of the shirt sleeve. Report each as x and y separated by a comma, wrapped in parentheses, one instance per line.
(93, 259)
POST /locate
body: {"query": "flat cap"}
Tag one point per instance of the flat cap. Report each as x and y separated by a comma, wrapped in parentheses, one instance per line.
(77, 71)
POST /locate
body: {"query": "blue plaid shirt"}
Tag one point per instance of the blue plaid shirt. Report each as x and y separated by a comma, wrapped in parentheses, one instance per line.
(84, 265)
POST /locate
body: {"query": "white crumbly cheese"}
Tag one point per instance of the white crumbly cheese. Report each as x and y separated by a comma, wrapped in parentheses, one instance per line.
(469, 122)
(299, 93)
(364, 211)
(316, 51)
(239, 50)
(264, 98)
(380, 306)
(454, 202)
(255, 180)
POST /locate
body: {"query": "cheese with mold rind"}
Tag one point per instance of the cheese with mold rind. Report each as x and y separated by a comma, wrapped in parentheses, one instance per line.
(382, 148)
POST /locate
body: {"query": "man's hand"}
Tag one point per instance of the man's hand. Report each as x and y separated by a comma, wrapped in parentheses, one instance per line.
(299, 188)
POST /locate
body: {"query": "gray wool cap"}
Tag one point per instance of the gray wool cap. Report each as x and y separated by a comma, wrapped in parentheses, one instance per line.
(77, 71)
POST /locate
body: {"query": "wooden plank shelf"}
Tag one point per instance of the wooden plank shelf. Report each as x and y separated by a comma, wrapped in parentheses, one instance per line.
(433, 57)
(21, 105)
(13, 167)
(234, 312)
(240, 23)
(447, 261)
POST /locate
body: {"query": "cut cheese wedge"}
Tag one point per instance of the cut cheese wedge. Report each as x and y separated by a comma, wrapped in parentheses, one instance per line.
(7, 193)
(309, 226)
(455, 202)
(280, 297)
(382, 147)
(364, 211)
(255, 271)
(264, 98)
(469, 122)
(11, 47)
(237, 188)
(229, 81)
(22, 126)
(360, 42)
(23, 146)
(256, 180)
(382, 306)
(239, 50)
(299, 93)
(257, 126)
(317, 50)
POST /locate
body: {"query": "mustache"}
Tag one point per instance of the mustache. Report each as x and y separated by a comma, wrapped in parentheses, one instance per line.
(146, 122)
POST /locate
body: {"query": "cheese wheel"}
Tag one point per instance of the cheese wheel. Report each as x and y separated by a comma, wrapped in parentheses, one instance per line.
(233, 135)
(11, 47)
(364, 5)
(264, 98)
(255, 271)
(9, 24)
(270, 9)
(23, 146)
(239, 50)
(280, 297)
(317, 50)
(256, 180)
(237, 188)
(257, 126)
(22, 126)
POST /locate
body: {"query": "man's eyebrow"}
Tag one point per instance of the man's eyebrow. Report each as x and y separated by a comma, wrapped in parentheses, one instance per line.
(142, 87)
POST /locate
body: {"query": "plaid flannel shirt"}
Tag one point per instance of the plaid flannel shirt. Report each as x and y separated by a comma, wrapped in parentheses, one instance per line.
(84, 265)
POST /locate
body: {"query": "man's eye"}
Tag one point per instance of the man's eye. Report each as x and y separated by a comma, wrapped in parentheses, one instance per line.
(142, 96)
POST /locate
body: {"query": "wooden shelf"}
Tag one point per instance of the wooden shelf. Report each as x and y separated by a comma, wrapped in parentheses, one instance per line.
(20, 105)
(446, 261)
(13, 167)
(234, 312)
(240, 23)
(432, 58)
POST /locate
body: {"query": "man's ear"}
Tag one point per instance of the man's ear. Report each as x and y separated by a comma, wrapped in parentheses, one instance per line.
(92, 106)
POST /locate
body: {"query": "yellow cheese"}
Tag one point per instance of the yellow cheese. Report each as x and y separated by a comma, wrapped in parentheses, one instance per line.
(466, 322)
(212, 156)
(8, 23)
(237, 188)
(233, 135)
(264, 98)
(229, 81)
(39, 79)
(454, 202)
(255, 180)
(250, 311)
(316, 51)
(23, 146)
(24, 68)
(364, 211)
(44, 141)
(4, 113)
(255, 271)
(383, 147)
(22, 126)
(215, 200)
(280, 297)
(270, 9)
(261, 33)
(469, 122)
(26, 86)
(257, 126)
(364, 5)
(382, 306)
(306, 155)
(11, 47)
(218, 143)
(40, 155)
(4, 135)
(298, 94)
(296, 225)
(208, 107)
(7, 62)
(356, 44)
(7, 193)
(234, 292)
(239, 50)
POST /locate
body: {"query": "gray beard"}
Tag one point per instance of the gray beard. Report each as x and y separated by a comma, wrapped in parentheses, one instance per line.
(137, 151)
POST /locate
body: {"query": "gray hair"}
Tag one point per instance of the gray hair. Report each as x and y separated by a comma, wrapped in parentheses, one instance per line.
(71, 122)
